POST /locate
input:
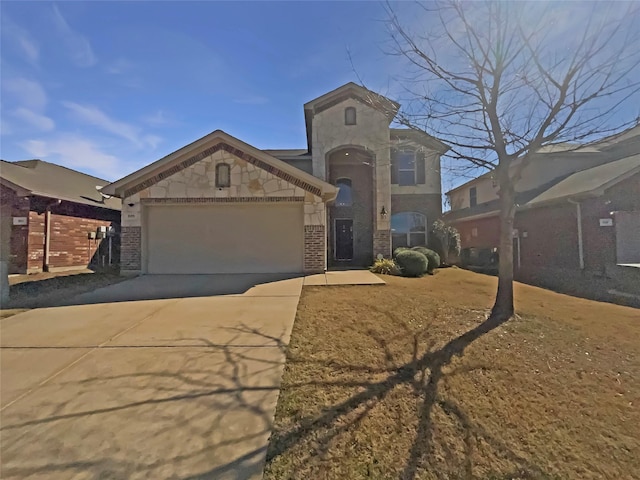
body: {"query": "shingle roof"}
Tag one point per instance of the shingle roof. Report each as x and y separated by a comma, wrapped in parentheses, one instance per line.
(50, 180)
(590, 180)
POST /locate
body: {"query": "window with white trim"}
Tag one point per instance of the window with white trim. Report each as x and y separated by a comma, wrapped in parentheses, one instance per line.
(223, 175)
(408, 166)
(408, 229)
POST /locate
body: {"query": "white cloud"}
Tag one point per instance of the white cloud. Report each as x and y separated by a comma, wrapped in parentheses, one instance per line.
(34, 119)
(78, 46)
(22, 40)
(157, 119)
(77, 153)
(96, 117)
(28, 93)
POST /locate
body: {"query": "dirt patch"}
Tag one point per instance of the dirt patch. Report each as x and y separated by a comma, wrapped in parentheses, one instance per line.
(51, 289)
(403, 382)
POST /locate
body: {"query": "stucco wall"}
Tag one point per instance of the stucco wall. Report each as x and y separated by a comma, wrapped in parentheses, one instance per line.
(433, 181)
(198, 181)
(485, 192)
(370, 132)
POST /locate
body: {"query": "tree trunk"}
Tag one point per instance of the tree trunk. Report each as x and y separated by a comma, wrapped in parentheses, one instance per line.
(503, 306)
(444, 243)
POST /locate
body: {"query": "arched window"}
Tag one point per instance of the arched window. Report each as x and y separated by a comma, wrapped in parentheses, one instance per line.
(223, 175)
(345, 197)
(408, 229)
(350, 116)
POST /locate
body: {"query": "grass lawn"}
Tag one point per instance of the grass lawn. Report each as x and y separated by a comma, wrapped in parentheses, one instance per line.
(404, 381)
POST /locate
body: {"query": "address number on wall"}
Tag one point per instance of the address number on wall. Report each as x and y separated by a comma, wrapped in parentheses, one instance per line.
(606, 222)
(19, 220)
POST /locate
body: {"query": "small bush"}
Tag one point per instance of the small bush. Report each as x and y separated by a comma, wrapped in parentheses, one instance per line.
(432, 257)
(385, 266)
(398, 250)
(412, 263)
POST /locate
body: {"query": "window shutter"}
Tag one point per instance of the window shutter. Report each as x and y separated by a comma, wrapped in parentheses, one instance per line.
(394, 166)
(420, 168)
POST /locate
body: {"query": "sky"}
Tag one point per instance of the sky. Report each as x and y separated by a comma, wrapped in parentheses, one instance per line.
(108, 87)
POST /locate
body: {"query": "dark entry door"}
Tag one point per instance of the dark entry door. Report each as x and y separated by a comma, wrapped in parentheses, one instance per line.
(344, 239)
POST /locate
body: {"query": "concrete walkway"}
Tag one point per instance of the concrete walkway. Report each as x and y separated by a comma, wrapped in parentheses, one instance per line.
(343, 277)
(180, 383)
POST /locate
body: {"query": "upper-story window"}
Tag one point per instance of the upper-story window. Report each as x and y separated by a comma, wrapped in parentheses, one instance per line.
(345, 193)
(407, 167)
(350, 116)
(223, 175)
(473, 197)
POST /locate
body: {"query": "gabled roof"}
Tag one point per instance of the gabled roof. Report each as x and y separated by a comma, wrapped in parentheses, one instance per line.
(593, 181)
(350, 90)
(205, 146)
(420, 137)
(37, 177)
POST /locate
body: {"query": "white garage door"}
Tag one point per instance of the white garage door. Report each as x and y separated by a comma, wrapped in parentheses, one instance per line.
(224, 238)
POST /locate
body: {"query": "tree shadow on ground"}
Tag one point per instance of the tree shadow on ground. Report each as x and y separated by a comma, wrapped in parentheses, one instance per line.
(424, 374)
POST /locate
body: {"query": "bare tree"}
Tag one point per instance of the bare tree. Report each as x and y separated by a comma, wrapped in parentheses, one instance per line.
(498, 81)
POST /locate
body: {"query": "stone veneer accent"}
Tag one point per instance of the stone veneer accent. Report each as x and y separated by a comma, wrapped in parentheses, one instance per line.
(196, 185)
(232, 150)
(165, 201)
(382, 243)
(315, 249)
(130, 248)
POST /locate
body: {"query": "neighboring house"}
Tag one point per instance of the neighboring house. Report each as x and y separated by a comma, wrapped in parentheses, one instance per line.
(578, 209)
(48, 215)
(219, 205)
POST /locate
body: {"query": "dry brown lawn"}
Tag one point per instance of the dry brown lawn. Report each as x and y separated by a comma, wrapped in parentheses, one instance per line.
(50, 289)
(401, 381)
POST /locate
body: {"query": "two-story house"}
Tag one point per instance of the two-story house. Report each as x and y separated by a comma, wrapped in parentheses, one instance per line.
(578, 209)
(220, 205)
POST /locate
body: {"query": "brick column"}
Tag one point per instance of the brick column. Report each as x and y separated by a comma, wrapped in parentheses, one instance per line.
(382, 243)
(130, 250)
(315, 250)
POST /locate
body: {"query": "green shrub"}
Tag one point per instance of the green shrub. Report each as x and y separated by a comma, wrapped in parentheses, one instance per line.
(385, 266)
(411, 263)
(398, 250)
(432, 257)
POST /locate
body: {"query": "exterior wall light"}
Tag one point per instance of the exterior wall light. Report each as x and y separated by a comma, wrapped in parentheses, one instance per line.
(383, 212)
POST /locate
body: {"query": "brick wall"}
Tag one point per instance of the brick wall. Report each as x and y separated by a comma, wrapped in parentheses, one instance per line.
(130, 249)
(69, 244)
(428, 204)
(314, 248)
(14, 237)
(382, 243)
(361, 210)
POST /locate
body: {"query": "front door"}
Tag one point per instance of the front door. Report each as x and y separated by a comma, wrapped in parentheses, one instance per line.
(344, 239)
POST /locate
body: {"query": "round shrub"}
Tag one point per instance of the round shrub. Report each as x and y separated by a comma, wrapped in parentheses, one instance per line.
(398, 250)
(412, 263)
(432, 257)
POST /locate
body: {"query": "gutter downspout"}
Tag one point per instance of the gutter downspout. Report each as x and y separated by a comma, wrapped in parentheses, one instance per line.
(47, 234)
(580, 244)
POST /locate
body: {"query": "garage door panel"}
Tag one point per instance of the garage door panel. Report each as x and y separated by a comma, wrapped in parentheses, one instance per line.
(243, 238)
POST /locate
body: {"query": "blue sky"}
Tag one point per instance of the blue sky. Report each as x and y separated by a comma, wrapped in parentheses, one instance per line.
(107, 87)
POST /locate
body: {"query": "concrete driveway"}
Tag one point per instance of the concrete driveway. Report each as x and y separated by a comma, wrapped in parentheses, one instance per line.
(175, 377)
